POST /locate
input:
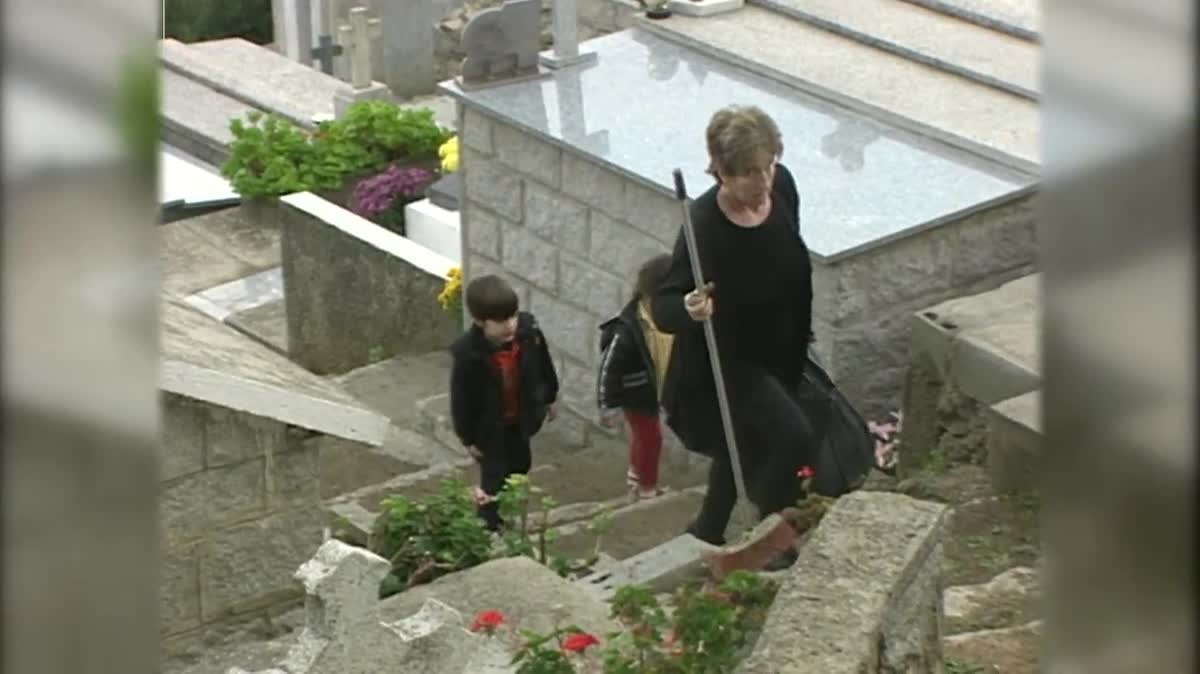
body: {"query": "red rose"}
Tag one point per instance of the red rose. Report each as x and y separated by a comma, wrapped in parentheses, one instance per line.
(579, 642)
(487, 621)
(806, 472)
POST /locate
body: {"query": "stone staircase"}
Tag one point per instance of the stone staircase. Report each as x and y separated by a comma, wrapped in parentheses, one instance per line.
(942, 69)
(972, 438)
(581, 467)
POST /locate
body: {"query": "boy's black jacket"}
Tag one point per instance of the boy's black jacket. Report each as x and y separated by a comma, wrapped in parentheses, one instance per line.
(627, 378)
(475, 406)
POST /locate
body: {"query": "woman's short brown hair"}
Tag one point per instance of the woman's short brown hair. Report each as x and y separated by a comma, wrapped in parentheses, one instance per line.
(738, 137)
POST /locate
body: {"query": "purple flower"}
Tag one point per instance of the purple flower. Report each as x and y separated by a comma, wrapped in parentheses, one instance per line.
(377, 194)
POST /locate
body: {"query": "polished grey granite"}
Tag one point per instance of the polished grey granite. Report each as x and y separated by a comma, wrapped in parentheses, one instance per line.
(1016, 17)
(642, 108)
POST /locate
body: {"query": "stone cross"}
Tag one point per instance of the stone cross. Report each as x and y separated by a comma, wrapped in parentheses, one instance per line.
(324, 53)
(565, 28)
(358, 35)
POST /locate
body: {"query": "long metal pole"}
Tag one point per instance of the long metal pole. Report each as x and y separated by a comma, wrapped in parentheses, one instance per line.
(710, 336)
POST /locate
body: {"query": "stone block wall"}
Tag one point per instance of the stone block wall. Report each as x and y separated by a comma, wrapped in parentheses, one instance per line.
(865, 596)
(570, 235)
(240, 510)
(862, 304)
(355, 292)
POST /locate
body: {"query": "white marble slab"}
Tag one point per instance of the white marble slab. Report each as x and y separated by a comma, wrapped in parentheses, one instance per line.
(185, 183)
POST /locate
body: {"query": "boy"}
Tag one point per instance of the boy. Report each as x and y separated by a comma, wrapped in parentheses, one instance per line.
(503, 386)
(633, 364)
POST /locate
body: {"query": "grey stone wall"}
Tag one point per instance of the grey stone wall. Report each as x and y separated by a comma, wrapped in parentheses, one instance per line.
(865, 596)
(349, 303)
(570, 235)
(240, 510)
(862, 304)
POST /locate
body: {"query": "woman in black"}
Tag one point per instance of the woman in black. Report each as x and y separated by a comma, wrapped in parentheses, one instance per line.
(759, 294)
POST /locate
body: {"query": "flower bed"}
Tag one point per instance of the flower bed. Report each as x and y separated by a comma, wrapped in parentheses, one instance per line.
(375, 160)
(707, 629)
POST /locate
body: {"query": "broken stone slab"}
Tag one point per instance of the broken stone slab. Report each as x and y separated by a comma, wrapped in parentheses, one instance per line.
(662, 568)
(529, 594)
(864, 594)
(343, 631)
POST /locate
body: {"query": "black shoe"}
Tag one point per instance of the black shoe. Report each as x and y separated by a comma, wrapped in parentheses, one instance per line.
(718, 541)
(784, 560)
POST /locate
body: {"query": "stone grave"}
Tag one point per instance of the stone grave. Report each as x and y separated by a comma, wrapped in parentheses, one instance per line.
(256, 76)
(974, 383)
(240, 470)
(195, 117)
(567, 213)
(357, 39)
(501, 45)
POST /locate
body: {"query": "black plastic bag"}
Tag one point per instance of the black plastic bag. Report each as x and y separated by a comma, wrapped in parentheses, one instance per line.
(845, 451)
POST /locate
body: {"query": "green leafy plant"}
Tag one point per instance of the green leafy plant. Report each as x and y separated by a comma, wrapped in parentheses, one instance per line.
(526, 509)
(270, 156)
(385, 129)
(430, 538)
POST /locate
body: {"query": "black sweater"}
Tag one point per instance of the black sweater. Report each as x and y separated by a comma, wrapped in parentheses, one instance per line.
(762, 302)
(475, 395)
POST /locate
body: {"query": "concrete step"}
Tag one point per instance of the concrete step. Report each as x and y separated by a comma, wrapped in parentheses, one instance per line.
(941, 40)
(1014, 445)
(567, 433)
(1019, 18)
(889, 87)
(396, 386)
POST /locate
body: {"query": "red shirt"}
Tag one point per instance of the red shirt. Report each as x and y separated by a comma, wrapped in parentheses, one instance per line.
(504, 360)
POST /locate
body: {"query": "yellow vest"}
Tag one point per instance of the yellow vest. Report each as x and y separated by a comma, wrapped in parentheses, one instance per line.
(659, 344)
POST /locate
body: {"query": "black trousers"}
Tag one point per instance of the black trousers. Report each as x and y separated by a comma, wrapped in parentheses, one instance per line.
(512, 457)
(774, 437)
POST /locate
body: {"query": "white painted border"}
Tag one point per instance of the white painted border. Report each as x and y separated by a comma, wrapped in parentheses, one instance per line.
(368, 232)
(273, 402)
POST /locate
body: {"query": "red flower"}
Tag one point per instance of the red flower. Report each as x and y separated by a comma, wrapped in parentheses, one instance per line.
(806, 472)
(487, 621)
(579, 642)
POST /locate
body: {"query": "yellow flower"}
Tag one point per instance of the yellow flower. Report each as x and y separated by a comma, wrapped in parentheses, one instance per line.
(448, 153)
(452, 290)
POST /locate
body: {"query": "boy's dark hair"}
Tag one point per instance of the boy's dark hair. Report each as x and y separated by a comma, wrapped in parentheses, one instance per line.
(491, 298)
(650, 276)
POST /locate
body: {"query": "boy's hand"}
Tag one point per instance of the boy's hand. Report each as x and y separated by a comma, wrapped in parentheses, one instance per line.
(474, 452)
(551, 411)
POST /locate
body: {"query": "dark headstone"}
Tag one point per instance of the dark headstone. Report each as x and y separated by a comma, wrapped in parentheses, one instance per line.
(447, 191)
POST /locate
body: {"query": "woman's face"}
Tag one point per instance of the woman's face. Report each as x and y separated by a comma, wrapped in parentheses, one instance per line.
(751, 189)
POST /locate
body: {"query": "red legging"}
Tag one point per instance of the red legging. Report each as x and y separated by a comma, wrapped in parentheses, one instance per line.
(645, 447)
